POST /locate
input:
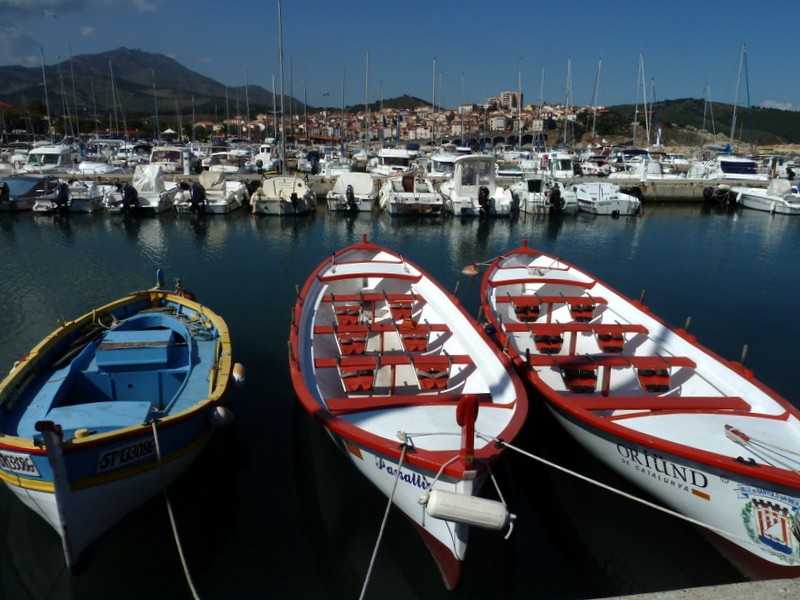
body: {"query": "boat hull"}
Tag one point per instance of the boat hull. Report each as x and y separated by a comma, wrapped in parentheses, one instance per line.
(771, 204)
(109, 409)
(726, 501)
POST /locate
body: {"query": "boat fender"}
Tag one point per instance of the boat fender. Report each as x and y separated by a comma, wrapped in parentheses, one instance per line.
(238, 374)
(490, 329)
(469, 510)
(220, 416)
(5, 194)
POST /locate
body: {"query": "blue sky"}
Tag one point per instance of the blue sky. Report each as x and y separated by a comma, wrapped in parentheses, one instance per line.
(490, 46)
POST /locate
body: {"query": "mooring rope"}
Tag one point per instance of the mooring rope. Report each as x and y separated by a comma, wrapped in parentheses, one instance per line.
(385, 517)
(171, 515)
(604, 486)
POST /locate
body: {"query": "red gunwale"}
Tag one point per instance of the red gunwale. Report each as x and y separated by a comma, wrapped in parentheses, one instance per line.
(420, 458)
(571, 405)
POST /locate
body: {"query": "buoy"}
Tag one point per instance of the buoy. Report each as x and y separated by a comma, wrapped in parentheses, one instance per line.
(471, 269)
(238, 373)
(470, 510)
(221, 416)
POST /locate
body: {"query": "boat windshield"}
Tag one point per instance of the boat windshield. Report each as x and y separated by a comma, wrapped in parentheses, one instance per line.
(40, 159)
(172, 156)
(738, 167)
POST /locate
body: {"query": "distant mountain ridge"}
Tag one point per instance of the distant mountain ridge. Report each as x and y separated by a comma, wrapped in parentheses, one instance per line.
(140, 79)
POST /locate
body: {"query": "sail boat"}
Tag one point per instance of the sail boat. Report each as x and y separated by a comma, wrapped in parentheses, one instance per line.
(283, 194)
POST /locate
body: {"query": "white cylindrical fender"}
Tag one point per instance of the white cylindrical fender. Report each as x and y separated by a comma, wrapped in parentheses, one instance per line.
(238, 374)
(220, 416)
(470, 510)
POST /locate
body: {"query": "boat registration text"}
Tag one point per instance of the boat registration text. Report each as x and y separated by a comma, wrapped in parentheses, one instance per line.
(18, 463)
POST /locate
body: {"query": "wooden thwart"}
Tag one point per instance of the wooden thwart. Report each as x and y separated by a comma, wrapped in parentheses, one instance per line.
(663, 403)
(365, 403)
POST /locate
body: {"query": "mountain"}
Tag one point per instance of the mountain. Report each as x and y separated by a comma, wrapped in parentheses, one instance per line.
(138, 77)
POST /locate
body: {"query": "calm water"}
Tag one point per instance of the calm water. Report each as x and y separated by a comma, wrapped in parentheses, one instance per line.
(271, 510)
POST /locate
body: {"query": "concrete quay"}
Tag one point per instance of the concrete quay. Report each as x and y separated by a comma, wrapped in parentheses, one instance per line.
(771, 589)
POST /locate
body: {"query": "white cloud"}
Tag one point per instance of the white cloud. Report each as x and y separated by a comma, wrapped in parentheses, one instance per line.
(56, 7)
(19, 47)
(778, 105)
(87, 31)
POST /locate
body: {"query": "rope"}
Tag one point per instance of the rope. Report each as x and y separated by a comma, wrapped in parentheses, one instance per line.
(171, 515)
(385, 517)
(658, 507)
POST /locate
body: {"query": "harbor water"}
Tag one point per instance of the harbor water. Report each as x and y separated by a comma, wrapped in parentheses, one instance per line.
(271, 510)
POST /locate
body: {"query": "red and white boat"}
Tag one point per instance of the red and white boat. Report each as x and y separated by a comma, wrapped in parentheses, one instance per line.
(694, 430)
(410, 387)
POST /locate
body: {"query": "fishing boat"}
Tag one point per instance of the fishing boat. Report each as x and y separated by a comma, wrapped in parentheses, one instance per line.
(111, 407)
(695, 431)
(283, 195)
(410, 388)
(353, 192)
(410, 194)
(779, 197)
(73, 196)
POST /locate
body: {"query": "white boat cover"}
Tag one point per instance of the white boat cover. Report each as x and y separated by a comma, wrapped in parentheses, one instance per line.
(149, 178)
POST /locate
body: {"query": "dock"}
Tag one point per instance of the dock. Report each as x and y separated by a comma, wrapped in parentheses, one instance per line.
(771, 589)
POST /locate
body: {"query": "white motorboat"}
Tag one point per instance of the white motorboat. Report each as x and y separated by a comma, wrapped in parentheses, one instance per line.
(410, 194)
(473, 190)
(283, 195)
(147, 192)
(779, 197)
(604, 198)
(538, 194)
(218, 195)
(353, 192)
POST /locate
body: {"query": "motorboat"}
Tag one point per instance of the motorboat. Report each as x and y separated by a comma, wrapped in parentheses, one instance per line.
(605, 198)
(211, 194)
(283, 195)
(410, 194)
(22, 191)
(473, 190)
(147, 192)
(110, 408)
(410, 388)
(779, 197)
(391, 161)
(539, 194)
(697, 432)
(353, 192)
(75, 196)
(50, 159)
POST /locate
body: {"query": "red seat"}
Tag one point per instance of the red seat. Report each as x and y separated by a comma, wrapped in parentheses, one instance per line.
(347, 314)
(352, 342)
(433, 372)
(413, 336)
(654, 380)
(581, 381)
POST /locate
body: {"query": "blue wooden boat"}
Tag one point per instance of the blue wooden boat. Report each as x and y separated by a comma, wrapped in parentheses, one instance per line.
(110, 407)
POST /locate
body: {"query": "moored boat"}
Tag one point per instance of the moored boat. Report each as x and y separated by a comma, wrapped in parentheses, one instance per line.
(353, 192)
(409, 387)
(779, 197)
(695, 431)
(283, 195)
(109, 408)
(604, 198)
(410, 194)
(148, 192)
(473, 190)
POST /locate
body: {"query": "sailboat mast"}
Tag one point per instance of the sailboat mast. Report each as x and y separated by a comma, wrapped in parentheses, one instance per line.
(280, 61)
(155, 106)
(595, 97)
(736, 98)
(46, 99)
(74, 94)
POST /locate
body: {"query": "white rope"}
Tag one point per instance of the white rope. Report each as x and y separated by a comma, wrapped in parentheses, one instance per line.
(383, 523)
(658, 507)
(171, 515)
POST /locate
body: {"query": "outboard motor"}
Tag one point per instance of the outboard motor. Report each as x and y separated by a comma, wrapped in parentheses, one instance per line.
(130, 198)
(259, 166)
(484, 201)
(197, 197)
(294, 200)
(352, 203)
(556, 201)
(62, 196)
(5, 194)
